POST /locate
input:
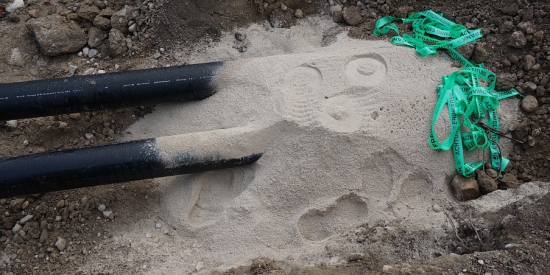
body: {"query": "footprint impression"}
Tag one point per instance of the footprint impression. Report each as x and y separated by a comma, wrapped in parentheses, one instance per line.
(390, 184)
(414, 195)
(341, 98)
(346, 212)
(215, 191)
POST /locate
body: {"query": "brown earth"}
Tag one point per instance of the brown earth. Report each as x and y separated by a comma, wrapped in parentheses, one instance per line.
(73, 216)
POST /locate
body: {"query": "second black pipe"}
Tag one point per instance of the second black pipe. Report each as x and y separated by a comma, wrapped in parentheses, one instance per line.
(128, 161)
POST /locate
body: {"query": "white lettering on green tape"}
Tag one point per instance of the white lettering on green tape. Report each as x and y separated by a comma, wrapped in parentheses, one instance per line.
(471, 104)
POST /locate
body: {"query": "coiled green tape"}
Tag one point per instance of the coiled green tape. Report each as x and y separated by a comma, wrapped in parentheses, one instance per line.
(471, 103)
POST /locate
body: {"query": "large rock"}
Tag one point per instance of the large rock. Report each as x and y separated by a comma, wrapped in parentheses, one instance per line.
(117, 43)
(57, 35)
(464, 188)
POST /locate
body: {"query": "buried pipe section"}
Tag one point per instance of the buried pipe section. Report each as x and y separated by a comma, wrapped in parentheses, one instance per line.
(104, 91)
(122, 162)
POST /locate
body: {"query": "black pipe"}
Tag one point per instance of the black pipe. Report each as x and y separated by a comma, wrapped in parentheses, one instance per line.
(111, 90)
(114, 163)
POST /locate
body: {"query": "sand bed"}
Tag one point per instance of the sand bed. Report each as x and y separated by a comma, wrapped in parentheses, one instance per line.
(344, 131)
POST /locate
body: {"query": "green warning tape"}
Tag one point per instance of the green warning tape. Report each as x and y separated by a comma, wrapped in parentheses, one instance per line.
(468, 94)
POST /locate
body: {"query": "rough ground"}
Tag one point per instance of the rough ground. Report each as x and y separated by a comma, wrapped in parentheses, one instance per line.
(68, 235)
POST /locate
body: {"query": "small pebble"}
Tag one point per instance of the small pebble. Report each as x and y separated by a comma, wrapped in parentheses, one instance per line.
(240, 36)
(107, 213)
(100, 71)
(101, 207)
(161, 50)
(61, 244)
(481, 262)
(299, 13)
(89, 71)
(25, 142)
(92, 53)
(34, 13)
(63, 125)
(85, 51)
(89, 136)
(510, 245)
(491, 173)
(529, 104)
(158, 225)
(531, 141)
(72, 69)
(26, 219)
(16, 228)
(387, 269)
(60, 204)
(11, 124)
(436, 208)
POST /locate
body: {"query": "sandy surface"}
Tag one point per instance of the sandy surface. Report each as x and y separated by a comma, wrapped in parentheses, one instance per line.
(344, 128)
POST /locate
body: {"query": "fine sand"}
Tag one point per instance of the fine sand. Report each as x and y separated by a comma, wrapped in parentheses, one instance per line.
(344, 132)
